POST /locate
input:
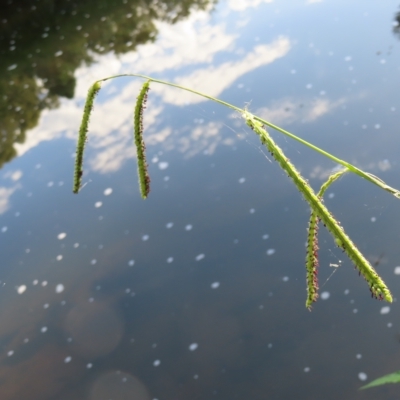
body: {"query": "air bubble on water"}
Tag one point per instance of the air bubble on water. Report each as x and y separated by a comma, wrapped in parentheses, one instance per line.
(170, 259)
(193, 346)
(389, 325)
(4, 229)
(59, 288)
(166, 178)
(156, 363)
(265, 237)
(385, 310)
(98, 204)
(252, 211)
(383, 61)
(293, 71)
(21, 289)
(154, 159)
(362, 376)
(163, 165)
(270, 345)
(285, 278)
(67, 359)
(397, 270)
(89, 365)
(242, 180)
(188, 227)
(50, 184)
(200, 257)
(131, 263)
(107, 192)
(43, 329)
(10, 353)
(325, 295)
(307, 369)
(215, 285)
(373, 219)
(76, 245)
(358, 356)
(145, 237)
(348, 58)
(308, 86)
(331, 195)
(355, 311)
(93, 262)
(377, 126)
(59, 257)
(270, 252)
(61, 236)
(169, 225)
(35, 282)
(46, 306)
(194, 377)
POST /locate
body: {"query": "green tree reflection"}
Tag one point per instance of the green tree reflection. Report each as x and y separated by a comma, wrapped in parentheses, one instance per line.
(42, 43)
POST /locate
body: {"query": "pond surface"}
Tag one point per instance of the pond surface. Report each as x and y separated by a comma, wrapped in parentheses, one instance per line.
(199, 291)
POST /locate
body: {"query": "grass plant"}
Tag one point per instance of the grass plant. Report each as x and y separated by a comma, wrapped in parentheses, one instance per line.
(319, 211)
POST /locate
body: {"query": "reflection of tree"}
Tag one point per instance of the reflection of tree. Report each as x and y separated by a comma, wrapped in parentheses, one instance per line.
(43, 43)
(396, 27)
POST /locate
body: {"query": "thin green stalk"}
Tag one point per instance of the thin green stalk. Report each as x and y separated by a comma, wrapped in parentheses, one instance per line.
(377, 286)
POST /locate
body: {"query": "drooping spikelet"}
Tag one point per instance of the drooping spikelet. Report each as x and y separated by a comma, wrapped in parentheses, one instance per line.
(83, 130)
(144, 178)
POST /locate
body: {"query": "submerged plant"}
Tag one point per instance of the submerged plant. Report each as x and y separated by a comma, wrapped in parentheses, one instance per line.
(319, 211)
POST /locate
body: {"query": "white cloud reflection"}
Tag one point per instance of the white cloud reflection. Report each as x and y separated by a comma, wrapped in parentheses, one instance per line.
(241, 5)
(5, 194)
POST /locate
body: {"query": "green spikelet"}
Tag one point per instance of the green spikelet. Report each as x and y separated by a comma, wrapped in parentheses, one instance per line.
(144, 178)
(378, 288)
(312, 245)
(83, 130)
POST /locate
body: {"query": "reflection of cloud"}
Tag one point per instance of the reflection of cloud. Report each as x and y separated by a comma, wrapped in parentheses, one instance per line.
(240, 5)
(14, 175)
(287, 111)
(213, 80)
(5, 194)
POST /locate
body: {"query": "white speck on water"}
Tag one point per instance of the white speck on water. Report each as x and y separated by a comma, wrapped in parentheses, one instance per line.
(93, 262)
(383, 61)
(108, 191)
(58, 53)
(348, 58)
(355, 311)
(331, 195)
(215, 285)
(61, 236)
(242, 180)
(10, 353)
(193, 346)
(359, 356)
(4, 229)
(170, 259)
(194, 377)
(21, 289)
(163, 165)
(362, 376)
(76, 245)
(285, 278)
(46, 305)
(346, 292)
(59, 288)
(307, 369)
(67, 359)
(397, 270)
(392, 108)
(91, 300)
(373, 219)
(235, 241)
(364, 126)
(166, 178)
(154, 159)
(17, 214)
(145, 237)
(188, 227)
(270, 252)
(59, 257)
(200, 257)
(11, 67)
(90, 365)
(377, 126)
(265, 237)
(35, 282)
(389, 325)
(50, 184)
(385, 310)
(325, 295)
(27, 250)
(169, 225)
(270, 345)
(156, 363)
(98, 204)
(43, 329)
(308, 86)
(322, 92)
(293, 71)
(131, 263)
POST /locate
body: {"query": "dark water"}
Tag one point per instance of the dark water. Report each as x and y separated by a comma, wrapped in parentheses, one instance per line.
(199, 291)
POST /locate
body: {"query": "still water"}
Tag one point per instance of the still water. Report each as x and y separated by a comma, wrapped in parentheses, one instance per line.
(199, 291)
